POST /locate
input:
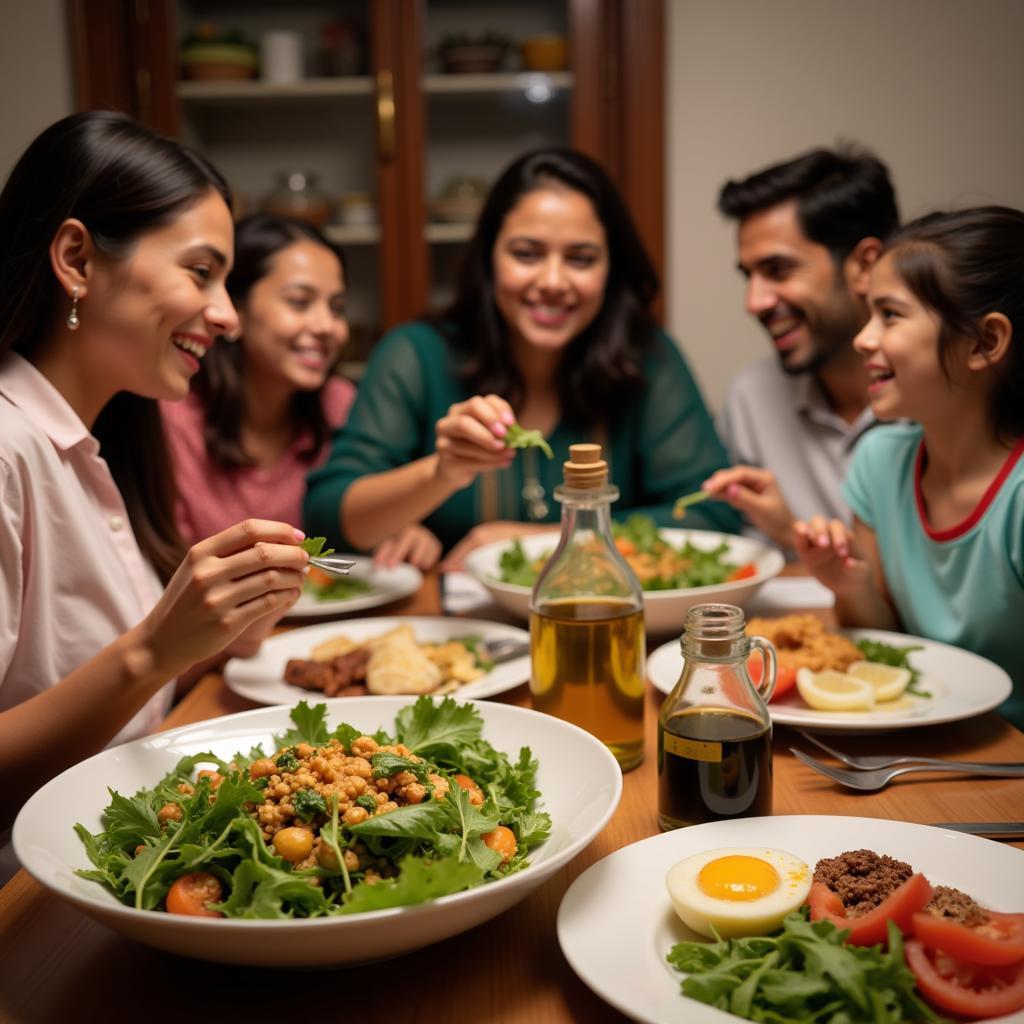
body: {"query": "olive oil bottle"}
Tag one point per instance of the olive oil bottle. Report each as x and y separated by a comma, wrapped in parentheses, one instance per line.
(586, 618)
(714, 729)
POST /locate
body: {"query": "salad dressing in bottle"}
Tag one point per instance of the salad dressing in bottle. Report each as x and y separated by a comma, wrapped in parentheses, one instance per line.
(586, 618)
(714, 729)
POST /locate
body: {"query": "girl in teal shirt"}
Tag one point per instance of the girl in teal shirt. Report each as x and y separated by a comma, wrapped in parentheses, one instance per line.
(551, 329)
(937, 546)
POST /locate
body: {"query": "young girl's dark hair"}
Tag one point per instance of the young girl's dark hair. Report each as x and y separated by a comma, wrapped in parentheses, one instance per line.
(604, 362)
(964, 265)
(219, 383)
(120, 180)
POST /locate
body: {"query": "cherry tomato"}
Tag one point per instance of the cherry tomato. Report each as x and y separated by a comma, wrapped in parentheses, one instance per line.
(502, 840)
(966, 989)
(189, 895)
(868, 929)
(476, 794)
(744, 572)
(1000, 940)
(785, 677)
(626, 547)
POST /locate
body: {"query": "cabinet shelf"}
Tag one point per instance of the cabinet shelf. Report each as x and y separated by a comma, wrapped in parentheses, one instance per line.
(353, 234)
(256, 91)
(441, 232)
(500, 82)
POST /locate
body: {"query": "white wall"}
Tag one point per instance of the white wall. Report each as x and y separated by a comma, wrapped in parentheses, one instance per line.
(934, 87)
(35, 73)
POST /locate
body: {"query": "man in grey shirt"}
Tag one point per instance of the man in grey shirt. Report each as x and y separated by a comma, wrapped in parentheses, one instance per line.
(809, 231)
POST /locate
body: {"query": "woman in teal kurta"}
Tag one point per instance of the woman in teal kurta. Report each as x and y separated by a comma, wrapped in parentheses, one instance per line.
(553, 316)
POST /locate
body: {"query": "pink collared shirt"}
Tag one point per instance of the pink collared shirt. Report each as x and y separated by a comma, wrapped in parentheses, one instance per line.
(74, 579)
(212, 498)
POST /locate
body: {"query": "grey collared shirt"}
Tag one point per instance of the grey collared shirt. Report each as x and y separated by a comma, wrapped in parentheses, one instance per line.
(784, 423)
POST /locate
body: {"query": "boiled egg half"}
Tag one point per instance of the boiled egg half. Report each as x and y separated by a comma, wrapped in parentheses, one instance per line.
(740, 891)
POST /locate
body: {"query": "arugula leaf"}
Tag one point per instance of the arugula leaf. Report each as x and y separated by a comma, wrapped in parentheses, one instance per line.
(518, 437)
(436, 731)
(310, 726)
(129, 820)
(515, 567)
(386, 764)
(314, 546)
(260, 890)
(417, 821)
(418, 880)
(467, 819)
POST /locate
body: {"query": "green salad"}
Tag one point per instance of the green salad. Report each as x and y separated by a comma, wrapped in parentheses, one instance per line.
(332, 822)
(658, 564)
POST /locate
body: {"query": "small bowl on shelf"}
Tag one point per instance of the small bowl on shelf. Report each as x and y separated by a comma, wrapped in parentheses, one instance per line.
(467, 58)
(218, 62)
(545, 53)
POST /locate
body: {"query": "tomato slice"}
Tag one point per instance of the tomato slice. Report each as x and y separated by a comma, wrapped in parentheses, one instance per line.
(785, 677)
(966, 989)
(189, 895)
(870, 928)
(1000, 940)
(743, 572)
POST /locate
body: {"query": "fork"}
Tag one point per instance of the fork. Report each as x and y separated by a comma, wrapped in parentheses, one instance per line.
(333, 565)
(870, 761)
(871, 780)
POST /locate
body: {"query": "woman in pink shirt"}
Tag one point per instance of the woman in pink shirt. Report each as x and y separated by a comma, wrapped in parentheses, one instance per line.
(115, 245)
(261, 412)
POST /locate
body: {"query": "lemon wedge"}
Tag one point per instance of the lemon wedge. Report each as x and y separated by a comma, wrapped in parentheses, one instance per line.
(888, 680)
(834, 691)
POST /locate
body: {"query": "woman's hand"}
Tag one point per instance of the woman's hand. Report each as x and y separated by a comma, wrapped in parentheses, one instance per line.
(487, 533)
(755, 492)
(414, 544)
(471, 439)
(828, 553)
(248, 572)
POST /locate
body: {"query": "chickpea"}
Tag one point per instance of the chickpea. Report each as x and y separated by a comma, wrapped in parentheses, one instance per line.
(354, 815)
(294, 843)
(186, 787)
(215, 777)
(325, 855)
(169, 812)
(261, 768)
(415, 793)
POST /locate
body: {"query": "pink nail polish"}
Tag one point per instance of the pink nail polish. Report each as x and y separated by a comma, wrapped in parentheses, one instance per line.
(500, 429)
(733, 490)
(508, 418)
(299, 535)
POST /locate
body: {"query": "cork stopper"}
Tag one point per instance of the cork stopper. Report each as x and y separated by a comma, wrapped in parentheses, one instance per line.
(585, 470)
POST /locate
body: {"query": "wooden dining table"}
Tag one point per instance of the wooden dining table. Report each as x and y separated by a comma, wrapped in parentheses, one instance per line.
(57, 964)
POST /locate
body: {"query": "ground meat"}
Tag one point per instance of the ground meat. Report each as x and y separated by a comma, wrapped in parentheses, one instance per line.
(861, 878)
(955, 905)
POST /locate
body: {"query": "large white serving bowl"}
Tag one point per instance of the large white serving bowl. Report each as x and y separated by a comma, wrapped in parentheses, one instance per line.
(579, 780)
(664, 610)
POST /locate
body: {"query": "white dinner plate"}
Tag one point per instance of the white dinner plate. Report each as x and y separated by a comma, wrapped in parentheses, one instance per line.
(261, 677)
(579, 781)
(387, 585)
(616, 923)
(961, 685)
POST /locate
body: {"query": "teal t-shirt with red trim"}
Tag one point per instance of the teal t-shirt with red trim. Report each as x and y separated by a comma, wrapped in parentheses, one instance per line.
(963, 586)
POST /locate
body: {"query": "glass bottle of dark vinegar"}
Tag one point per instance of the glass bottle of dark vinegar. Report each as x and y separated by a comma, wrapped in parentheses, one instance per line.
(714, 730)
(587, 619)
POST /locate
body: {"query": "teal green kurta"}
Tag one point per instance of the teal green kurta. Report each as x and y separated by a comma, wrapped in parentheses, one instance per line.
(662, 442)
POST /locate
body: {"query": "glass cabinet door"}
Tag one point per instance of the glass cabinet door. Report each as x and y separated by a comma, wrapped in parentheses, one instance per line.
(496, 83)
(281, 99)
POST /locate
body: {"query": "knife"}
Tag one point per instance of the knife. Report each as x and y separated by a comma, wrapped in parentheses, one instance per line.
(991, 829)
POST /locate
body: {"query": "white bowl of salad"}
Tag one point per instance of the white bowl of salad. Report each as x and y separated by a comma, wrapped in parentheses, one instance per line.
(676, 568)
(487, 801)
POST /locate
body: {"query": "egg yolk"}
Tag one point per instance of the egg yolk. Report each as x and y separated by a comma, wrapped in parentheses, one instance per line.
(738, 878)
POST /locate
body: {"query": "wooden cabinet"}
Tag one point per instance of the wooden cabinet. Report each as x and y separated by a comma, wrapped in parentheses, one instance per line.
(389, 116)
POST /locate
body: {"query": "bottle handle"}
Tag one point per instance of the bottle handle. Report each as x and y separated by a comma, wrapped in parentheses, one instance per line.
(766, 687)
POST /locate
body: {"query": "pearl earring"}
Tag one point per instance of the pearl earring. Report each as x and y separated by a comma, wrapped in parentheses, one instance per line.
(72, 320)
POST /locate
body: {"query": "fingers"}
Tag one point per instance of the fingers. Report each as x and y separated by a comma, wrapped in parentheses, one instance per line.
(481, 421)
(729, 482)
(268, 603)
(389, 552)
(425, 550)
(244, 535)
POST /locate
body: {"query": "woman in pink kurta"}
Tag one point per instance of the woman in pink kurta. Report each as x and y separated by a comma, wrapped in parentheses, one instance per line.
(261, 411)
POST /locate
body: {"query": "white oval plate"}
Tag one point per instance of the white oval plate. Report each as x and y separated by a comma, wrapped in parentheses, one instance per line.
(664, 610)
(261, 677)
(616, 923)
(962, 685)
(578, 778)
(388, 585)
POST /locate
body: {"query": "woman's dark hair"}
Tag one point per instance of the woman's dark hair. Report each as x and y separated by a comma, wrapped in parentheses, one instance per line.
(964, 265)
(605, 360)
(120, 180)
(842, 196)
(219, 383)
